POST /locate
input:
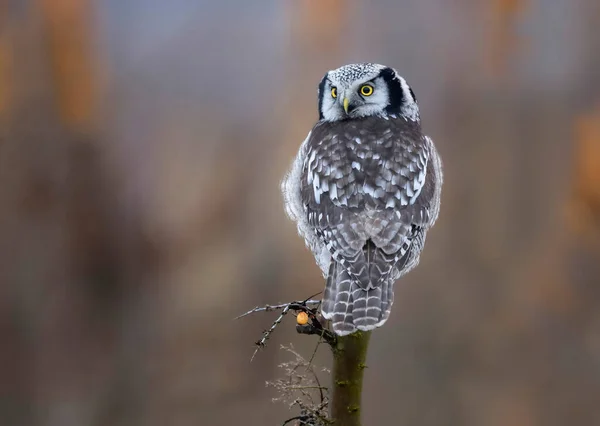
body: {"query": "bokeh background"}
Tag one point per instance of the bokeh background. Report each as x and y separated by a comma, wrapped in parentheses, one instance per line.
(141, 147)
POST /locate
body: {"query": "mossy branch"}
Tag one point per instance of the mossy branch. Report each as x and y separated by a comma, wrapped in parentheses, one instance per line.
(349, 356)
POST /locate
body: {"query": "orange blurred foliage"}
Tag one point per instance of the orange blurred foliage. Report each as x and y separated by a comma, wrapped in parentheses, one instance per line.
(67, 27)
(586, 192)
(504, 42)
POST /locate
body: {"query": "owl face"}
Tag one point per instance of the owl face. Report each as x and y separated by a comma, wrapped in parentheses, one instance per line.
(362, 90)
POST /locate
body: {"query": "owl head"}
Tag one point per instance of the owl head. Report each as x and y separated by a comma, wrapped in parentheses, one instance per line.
(363, 90)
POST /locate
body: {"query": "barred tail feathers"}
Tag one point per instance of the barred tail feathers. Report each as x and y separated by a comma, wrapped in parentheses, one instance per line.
(387, 300)
(328, 301)
(350, 307)
(343, 318)
(367, 307)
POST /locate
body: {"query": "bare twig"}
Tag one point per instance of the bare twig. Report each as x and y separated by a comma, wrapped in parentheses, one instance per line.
(349, 355)
(301, 387)
(298, 306)
(269, 308)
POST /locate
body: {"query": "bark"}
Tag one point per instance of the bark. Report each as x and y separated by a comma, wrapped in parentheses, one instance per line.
(349, 356)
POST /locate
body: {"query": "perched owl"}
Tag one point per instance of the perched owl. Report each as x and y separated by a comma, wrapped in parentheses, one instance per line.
(364, 190)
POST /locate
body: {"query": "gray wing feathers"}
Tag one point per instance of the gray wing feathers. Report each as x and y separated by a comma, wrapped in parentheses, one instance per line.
(366, 197)
(436, 179)
(296, 209)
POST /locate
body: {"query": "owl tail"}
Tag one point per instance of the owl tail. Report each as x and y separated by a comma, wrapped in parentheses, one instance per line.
(350, 307)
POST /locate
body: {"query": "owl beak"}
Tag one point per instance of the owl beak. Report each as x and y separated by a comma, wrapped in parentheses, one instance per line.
(346, 104)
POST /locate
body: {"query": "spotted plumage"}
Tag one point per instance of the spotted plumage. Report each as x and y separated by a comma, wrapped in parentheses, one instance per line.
(363, 190)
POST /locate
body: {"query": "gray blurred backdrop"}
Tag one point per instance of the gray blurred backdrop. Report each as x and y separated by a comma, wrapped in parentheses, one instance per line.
(141, 147)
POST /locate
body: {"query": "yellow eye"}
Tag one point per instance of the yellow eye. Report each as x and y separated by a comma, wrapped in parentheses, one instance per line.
(334, 92)
(366, 90)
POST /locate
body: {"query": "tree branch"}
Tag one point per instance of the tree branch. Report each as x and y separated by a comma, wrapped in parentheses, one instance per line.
(349, 356)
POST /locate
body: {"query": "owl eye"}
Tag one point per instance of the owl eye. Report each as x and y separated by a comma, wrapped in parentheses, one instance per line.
(366, 90)
(334, 92)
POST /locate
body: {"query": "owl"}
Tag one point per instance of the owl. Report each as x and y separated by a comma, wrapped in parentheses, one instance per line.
(364, 189)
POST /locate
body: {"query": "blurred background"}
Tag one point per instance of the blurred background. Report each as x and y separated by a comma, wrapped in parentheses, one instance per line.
(141, 147)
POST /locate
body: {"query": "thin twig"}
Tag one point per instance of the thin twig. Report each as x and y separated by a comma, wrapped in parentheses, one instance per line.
(306, 387)
(301, 306)
(299, 387)
(269, 308)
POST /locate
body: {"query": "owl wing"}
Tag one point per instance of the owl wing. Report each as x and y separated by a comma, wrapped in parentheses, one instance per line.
(295, 208)
(366, 201)
(369, 194)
